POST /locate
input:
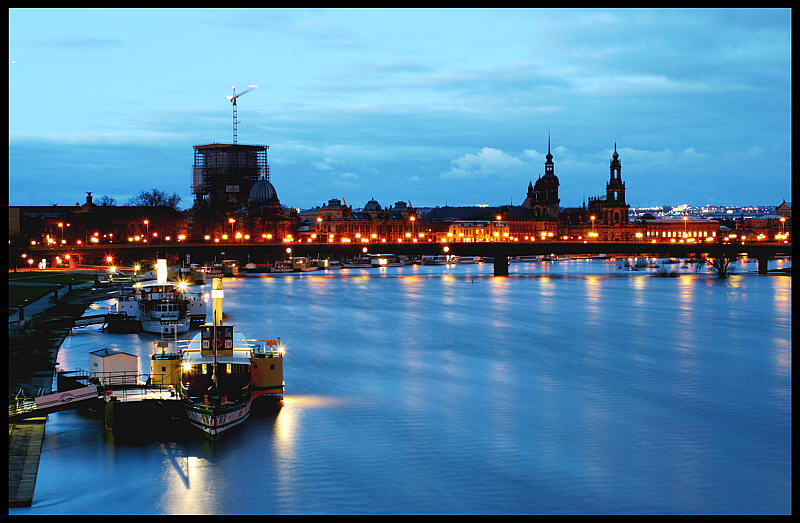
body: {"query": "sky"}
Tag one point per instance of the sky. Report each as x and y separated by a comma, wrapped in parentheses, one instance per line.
(429, 106)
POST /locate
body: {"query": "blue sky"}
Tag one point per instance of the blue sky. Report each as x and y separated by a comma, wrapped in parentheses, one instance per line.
(436, 107)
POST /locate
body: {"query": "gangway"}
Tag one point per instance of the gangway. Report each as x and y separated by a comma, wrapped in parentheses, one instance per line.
(96, 319)
(85, 388)
(48, 403)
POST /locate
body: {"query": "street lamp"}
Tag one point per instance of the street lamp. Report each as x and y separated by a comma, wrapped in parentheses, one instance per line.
(685, 218)
(231, 221)
(61, 226)
(783, 221)
(147, 228)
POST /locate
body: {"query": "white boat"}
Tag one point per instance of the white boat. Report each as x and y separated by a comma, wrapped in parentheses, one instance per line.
(388, 260)
(362, 262)
(524, 259)
(294, 264)
(221, 376)
(468, 259)
(162, 306)
(439, 259)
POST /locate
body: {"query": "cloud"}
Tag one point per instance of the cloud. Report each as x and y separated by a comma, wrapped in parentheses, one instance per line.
(488, 162)
(322, 166)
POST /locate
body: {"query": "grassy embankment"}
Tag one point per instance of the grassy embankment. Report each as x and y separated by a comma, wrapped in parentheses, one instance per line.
(32, 350)
(28, 286)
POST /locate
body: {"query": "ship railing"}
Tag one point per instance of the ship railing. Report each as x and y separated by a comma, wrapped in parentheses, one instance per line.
(262, 345)
(131, 385)
(169, 331)
(22, 403)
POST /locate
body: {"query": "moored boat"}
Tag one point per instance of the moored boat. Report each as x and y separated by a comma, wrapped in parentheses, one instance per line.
(221, 376)
(468, 259)
(361, 262)
(213, 271)
(163, 306)
(388, 260)
(439, 259)
(293, 264)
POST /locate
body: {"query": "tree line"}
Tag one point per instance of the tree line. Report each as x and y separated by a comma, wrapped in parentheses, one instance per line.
(152, 198)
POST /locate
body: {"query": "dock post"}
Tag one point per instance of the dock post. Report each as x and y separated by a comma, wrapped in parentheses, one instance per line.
(501, 265)
(108, 415)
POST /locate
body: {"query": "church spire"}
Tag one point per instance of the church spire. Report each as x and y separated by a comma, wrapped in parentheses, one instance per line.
(548, 165)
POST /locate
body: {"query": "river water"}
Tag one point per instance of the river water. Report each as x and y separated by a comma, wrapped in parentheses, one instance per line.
(567, 387)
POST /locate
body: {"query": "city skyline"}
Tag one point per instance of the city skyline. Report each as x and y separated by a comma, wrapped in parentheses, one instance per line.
(439, 107)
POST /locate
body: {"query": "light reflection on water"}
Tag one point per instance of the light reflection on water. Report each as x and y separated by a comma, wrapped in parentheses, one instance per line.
(566, 387)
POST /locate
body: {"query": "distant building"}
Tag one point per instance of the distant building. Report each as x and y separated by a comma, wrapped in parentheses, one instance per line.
(335, 222)
(542, 197)
(611, 209)
(471, 231)
(234, 196)
(224, 174)
(784, 209)
(95, 224)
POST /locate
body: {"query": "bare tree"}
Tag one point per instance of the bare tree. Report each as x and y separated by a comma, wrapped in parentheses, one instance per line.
(155, 198)
(720, 263)
(106, 200)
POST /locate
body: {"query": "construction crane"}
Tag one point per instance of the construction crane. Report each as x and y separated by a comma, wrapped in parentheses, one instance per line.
(233, 99)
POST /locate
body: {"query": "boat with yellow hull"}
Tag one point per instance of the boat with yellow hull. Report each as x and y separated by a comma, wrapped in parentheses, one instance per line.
(221, 376)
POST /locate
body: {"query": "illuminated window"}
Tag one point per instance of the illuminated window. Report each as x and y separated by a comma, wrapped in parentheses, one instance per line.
(228, 368)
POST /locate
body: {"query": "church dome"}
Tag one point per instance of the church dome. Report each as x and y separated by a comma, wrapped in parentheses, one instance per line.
(372, 205)
(262, 191)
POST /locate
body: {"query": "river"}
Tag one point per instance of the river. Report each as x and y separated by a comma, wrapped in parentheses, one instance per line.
(572, 386)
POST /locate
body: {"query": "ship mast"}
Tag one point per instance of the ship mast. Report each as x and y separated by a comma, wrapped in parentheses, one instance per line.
(216, 299)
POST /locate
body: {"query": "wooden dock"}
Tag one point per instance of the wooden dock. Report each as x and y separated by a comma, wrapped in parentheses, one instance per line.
(24, 450)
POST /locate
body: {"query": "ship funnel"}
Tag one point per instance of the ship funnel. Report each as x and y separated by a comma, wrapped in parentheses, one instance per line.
(161, 271)
(216, 300)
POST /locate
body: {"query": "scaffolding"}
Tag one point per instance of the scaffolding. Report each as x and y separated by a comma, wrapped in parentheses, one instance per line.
(228, 171)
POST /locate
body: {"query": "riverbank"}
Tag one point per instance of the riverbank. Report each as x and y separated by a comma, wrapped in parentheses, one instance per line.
(24, 452)
(36, 333)
(35, 336)
(32, 352)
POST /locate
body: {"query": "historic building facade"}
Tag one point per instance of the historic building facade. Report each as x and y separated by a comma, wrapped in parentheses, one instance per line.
(611, 209)
(542, 197)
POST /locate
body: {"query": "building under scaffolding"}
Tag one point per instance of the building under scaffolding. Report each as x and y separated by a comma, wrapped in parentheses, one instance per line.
(224, 174)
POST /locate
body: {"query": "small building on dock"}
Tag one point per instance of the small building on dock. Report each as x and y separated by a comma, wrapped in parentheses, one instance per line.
(113, 366)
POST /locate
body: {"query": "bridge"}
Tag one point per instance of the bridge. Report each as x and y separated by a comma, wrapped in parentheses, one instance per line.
(262, 252)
